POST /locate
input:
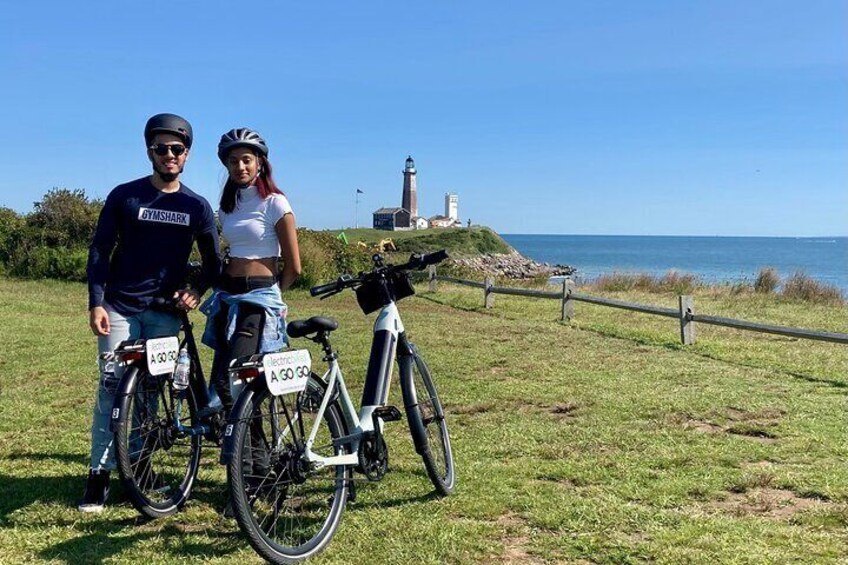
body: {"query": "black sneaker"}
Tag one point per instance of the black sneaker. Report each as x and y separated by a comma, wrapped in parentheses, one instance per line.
(96, 491)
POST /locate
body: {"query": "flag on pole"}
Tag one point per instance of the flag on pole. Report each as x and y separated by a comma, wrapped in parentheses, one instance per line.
(358, 191)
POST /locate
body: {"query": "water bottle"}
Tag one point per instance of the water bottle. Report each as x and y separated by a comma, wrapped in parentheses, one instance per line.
(182, 370)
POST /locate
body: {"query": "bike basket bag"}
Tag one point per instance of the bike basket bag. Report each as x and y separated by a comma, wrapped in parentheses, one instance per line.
(371, 296)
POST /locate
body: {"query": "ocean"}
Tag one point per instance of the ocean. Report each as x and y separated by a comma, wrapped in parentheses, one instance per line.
(713, 259)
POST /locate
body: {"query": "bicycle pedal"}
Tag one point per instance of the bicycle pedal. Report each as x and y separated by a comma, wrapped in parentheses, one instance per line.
(387, 413)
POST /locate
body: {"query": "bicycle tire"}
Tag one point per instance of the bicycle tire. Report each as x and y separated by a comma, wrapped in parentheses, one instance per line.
(306, 505)
(427, 424)
(158, 466)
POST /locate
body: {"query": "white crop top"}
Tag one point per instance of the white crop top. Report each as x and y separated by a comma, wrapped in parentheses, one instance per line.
(249, 229)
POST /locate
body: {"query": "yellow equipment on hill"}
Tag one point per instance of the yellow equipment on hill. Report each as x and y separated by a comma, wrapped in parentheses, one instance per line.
(381, 246)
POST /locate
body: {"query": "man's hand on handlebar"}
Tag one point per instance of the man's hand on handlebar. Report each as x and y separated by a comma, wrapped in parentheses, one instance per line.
(187, 299)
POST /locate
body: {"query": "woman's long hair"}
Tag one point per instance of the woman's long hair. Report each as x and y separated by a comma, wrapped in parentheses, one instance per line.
(264, 183)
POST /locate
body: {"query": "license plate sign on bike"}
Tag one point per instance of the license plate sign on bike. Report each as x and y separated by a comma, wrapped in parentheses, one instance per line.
(162, 355)
(287, 371)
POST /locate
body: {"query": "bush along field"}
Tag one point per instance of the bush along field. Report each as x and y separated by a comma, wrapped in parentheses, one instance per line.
(52, 242)
(602, 440)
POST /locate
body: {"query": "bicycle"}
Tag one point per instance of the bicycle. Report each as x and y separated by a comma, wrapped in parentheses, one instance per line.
(159, 424)
(294, 439)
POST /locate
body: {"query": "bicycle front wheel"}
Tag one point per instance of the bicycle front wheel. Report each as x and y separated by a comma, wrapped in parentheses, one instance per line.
(427, 423)
(158, 463)
(288, 508)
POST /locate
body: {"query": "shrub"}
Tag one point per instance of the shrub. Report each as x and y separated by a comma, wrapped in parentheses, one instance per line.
(678, 283)
(52, 241)
(64, 218)
(38, 262)
(767, 280)
(672, 281)
(615, 282)
(323, 258)
(801, 286)
(10, 223)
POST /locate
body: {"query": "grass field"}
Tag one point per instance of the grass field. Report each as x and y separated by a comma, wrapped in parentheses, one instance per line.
(599, 441)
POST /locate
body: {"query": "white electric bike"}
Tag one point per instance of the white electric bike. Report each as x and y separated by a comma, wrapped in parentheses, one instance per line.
(294, 439)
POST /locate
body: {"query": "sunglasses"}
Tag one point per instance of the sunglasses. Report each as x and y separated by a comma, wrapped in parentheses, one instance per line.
(162, 149)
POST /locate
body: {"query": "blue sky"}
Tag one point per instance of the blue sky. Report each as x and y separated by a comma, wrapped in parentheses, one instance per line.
(587, 117)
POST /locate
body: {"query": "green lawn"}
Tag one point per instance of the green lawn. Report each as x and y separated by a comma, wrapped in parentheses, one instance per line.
(599, 441)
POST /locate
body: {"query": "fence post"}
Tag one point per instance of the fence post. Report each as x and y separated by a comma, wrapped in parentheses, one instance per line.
(488, 295)
(687, 326)
(567, 303)
(432, 284)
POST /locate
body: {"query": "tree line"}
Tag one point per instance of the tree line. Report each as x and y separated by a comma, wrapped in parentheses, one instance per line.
(52, 242)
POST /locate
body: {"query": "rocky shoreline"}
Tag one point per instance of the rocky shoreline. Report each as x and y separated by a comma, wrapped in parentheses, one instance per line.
(512, 266)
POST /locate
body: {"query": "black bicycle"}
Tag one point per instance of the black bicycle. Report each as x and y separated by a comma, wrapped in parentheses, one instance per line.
(162, 412)
(294, 439)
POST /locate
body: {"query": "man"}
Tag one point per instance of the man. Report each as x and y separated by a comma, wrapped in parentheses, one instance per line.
(140, 252)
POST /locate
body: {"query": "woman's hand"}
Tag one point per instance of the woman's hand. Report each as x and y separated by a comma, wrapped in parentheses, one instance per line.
(188, 299)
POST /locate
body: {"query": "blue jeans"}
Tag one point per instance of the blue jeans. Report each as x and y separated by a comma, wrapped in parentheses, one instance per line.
(145, 325)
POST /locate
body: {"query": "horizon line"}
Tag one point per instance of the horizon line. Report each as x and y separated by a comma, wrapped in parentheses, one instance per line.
(684, 235)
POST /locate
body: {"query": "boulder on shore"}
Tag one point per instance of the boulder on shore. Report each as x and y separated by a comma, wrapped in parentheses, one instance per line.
(512, 266)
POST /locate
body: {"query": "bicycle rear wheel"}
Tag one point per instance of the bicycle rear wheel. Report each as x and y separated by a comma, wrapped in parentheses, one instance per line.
(427, 422)
(288, 509)
(157, 463)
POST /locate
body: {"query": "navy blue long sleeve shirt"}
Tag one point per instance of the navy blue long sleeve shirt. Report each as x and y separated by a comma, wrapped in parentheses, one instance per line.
(142, 245)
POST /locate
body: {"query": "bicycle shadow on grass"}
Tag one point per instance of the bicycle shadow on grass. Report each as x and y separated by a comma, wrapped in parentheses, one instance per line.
(17, 492)
(69, 458)
(111, 538)
(20, 492)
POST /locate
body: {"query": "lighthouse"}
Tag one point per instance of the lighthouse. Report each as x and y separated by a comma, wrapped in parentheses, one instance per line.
(410, 192)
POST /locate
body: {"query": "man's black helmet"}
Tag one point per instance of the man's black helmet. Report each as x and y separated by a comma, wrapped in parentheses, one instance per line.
(241, 137)
(168, 123)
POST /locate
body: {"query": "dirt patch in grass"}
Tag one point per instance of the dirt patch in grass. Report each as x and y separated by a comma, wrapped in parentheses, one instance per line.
(564, 408)
(758, 465)
(757, 425)
(774, 503)
(754, 431)
(515, 541)
(469, 409)
(703, 427)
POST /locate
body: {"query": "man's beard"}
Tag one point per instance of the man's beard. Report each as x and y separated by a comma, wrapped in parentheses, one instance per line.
(168, 177)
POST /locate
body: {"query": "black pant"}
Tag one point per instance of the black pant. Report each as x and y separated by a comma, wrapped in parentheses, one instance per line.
(244, 342)
(250, 321)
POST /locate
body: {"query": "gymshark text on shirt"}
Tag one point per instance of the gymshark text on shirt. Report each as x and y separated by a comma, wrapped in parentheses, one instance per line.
(164, 216)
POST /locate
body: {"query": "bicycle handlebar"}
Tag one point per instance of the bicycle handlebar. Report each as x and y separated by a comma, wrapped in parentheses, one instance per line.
(416, 262)
(323, 288)
(169, 305)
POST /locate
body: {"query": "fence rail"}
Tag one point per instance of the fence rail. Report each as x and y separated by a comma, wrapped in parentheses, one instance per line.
(685, 313)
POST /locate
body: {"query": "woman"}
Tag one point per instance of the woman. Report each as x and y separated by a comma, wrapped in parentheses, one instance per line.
(246, 314)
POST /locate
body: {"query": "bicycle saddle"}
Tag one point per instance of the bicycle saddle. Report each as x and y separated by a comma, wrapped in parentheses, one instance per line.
(315, 324)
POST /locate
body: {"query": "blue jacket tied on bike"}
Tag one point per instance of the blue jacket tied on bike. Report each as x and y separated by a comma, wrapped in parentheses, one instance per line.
(273, 337)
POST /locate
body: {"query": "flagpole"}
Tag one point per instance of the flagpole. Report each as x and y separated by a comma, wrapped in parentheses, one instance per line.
(356, 211)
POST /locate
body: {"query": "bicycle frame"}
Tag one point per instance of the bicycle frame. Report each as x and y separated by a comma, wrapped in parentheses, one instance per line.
(203, 395)
(389, 338)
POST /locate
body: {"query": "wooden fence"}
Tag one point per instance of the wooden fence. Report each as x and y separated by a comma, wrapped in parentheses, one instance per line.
(684, 313)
